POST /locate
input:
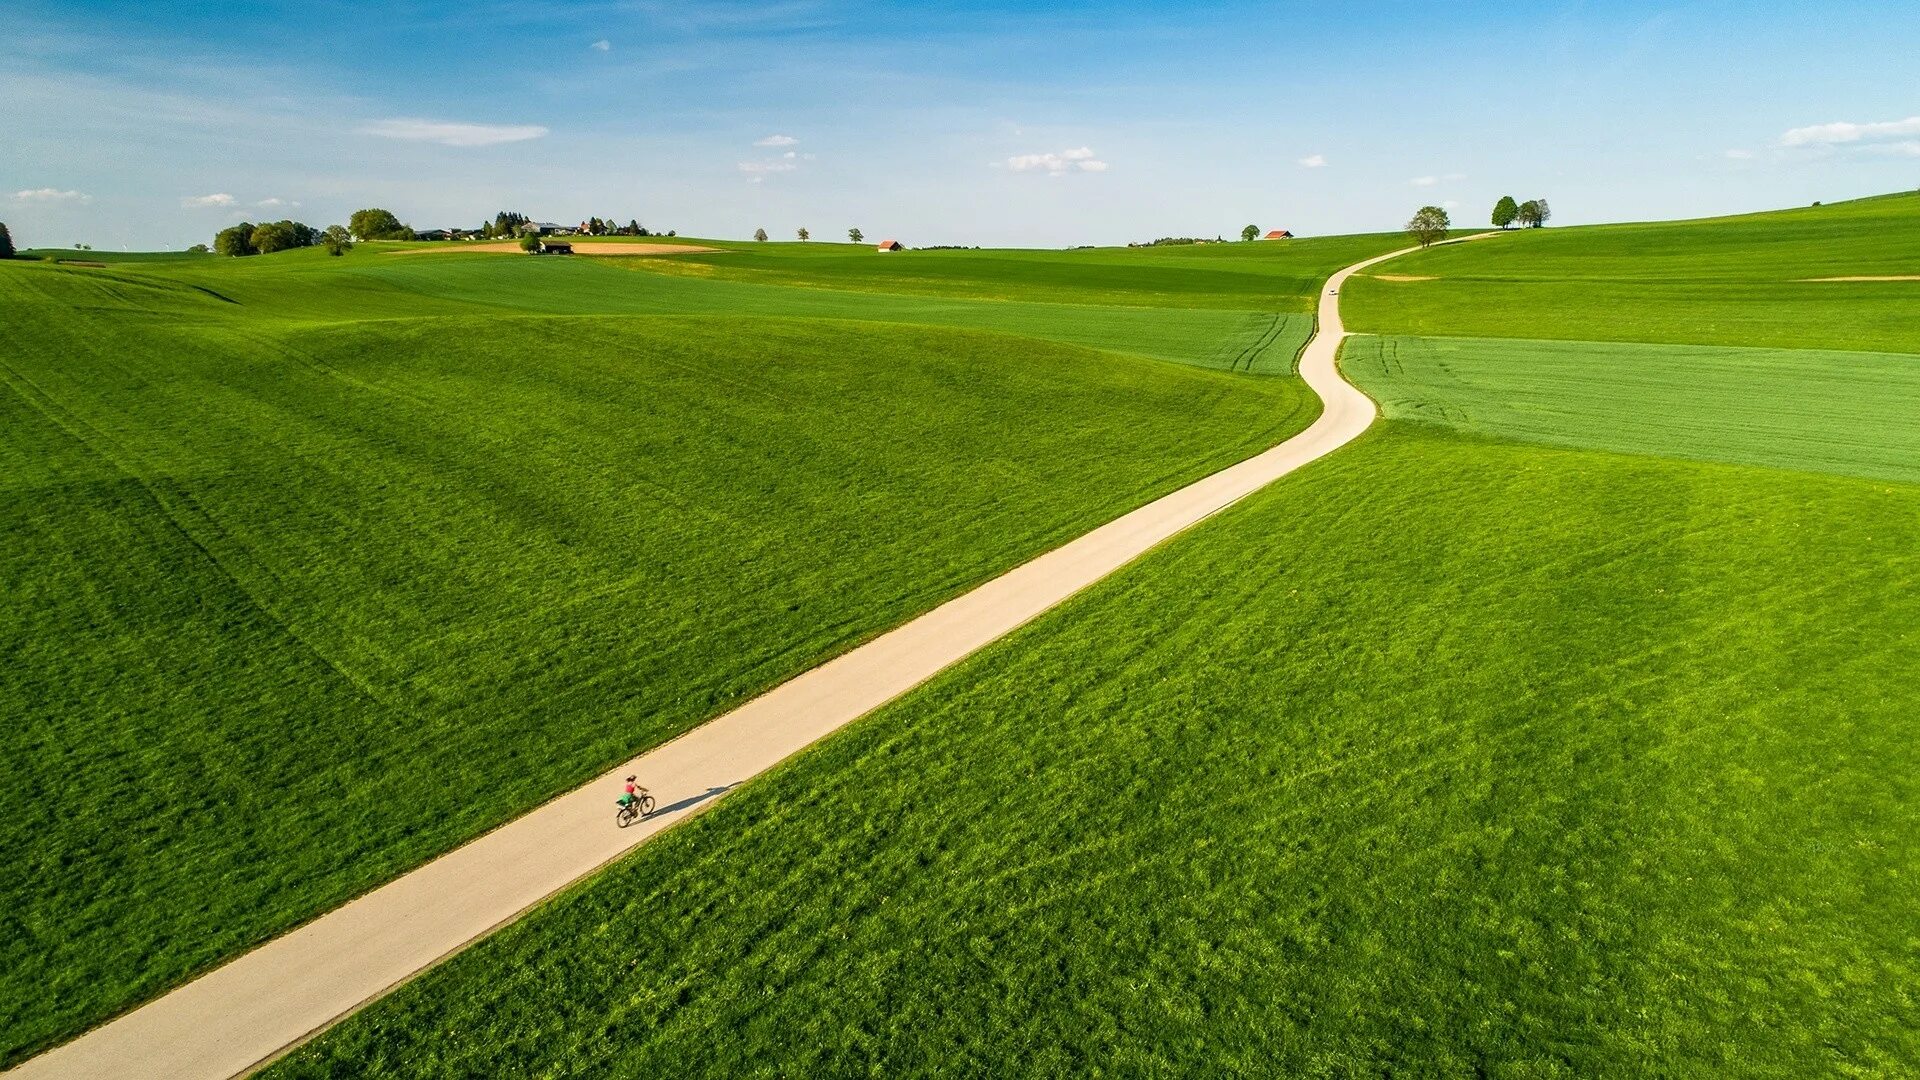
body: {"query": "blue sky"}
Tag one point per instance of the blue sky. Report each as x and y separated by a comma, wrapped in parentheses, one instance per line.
(150, 125)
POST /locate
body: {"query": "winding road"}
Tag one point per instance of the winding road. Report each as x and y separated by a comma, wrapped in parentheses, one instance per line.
(263, 1003)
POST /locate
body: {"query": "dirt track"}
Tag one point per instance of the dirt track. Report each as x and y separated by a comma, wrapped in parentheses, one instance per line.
(1896, 277)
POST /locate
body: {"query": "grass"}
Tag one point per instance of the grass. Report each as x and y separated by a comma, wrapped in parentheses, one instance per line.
(1847, 413)
(1258, 276)
(1531, 762)
(1723, 281)
(322, 566)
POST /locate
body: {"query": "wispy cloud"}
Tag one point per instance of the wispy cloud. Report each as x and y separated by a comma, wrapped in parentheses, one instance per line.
(1314, 161)
(198, 202)
(273, 201)
(52, 195)
(777, 140)
(1080, 158)
(1739, 155)
(767, 166)
(1425, 181)
(603, 45)
(1840, 134)
(452, 134)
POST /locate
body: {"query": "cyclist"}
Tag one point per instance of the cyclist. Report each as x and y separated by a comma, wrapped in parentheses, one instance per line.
(634, 791)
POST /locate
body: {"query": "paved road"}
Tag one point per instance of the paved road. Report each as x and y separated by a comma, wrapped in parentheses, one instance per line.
(267, 1001)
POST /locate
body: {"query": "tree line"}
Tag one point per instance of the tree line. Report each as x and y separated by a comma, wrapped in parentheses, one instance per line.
(1532, 214)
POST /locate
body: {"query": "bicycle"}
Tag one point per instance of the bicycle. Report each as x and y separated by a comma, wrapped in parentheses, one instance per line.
(633, 808)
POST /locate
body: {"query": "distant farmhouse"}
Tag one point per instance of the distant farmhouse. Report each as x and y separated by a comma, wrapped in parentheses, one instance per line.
(1278, 234)
(892, 245)
(554, 248)
(548, 228)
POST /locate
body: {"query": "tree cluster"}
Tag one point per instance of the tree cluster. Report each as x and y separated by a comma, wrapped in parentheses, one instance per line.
(505, 224)
(6, 242)
(266, 238)
(377, 224)
(1531, 214)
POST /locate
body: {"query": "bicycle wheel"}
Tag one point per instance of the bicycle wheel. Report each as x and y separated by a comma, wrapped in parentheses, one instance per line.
(646, 805)
(624, 816)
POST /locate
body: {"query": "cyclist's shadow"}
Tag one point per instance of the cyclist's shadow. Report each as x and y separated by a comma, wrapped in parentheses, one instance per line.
(694, 800)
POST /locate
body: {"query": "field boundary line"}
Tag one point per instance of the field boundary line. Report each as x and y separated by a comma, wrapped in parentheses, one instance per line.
(259, 1005)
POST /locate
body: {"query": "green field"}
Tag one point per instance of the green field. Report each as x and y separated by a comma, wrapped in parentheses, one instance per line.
(1561, 726)
(1846, 413)
(1447, 757)
(321, 566)
(1725, 281)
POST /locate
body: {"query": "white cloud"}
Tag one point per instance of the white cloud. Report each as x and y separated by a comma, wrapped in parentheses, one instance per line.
(767, 166)
(1425, 181)
(1739, 155)
(1314, 161)
(452, 134)
(790, 155)
(1843, 133)
(602, 45)
(276, 201)
(218, 198)
(777, 140)
(1080, 157)
(51, 195)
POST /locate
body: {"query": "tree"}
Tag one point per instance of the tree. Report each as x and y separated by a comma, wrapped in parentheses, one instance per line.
(1429, 224)
(235, 240)
(803, 234)
(273, 236)
(856, 235)
(1249, 232)
(1505, 211)
(6, 242)
(760, 235)
(197, 249)
(377, 224)
(529, 241)
(1533, 213)
(337, 240)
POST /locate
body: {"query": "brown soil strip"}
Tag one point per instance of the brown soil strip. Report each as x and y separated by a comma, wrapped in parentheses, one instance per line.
(580, 247)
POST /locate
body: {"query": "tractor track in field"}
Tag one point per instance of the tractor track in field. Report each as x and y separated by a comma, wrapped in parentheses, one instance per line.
(259, 1005)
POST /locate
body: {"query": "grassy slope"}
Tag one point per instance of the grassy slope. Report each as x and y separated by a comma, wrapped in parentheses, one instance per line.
(1259, 277)
(1728, 281)
(353, 537)
(1532, 762)
(1847, 413)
